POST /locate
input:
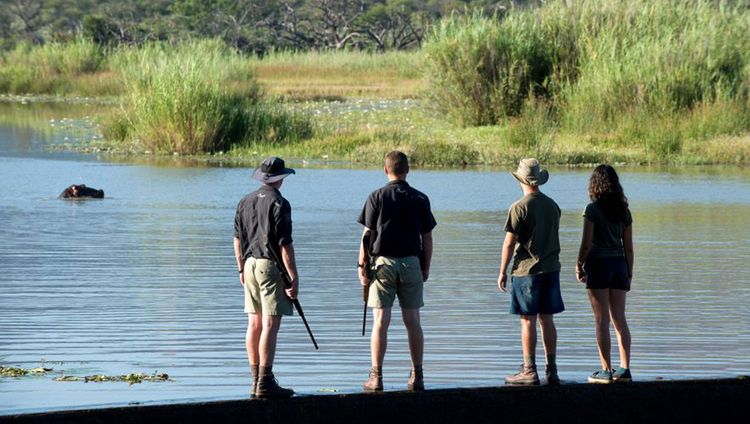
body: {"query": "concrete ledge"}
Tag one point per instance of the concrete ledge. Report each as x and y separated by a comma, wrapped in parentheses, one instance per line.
(658, 402)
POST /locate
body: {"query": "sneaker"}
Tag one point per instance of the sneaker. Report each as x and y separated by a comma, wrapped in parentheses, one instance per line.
(374, 382)
(622, 375)
(601, 377)
(526, 375)
(550, 373)
(416, 380)
(268, 388)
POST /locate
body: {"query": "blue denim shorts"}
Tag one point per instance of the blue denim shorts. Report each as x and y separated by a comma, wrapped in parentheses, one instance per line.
(607, 273)
(536, 294)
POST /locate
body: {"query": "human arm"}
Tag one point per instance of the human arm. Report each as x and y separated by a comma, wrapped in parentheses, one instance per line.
(290, 263)
(427, 255)
(238, 258)
(627, 241)
(363, 258)
(507, 252)
(583, 252)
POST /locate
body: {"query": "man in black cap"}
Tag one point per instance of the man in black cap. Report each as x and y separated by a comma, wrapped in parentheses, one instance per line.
(399, 222)
(264, 220)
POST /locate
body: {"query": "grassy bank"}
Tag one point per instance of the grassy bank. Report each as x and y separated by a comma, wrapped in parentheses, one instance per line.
(652, 81)
(198, 97)
(611, 81)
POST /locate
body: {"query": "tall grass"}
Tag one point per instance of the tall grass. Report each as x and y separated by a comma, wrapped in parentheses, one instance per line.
(633, 72)
(196, 97)
(482, 70)
(660, 58)
(50, 68)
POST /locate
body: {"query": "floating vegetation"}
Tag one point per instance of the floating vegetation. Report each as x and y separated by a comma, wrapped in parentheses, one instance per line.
(21, 372)
(133, 378)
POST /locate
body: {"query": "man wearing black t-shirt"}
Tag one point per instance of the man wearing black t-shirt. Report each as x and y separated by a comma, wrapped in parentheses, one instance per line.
(264, 221)
(399, 222)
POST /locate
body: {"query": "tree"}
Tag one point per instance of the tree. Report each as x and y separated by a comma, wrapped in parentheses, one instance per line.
(395, 24)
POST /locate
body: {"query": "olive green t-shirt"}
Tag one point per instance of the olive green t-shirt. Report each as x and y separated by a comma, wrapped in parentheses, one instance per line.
(607, 239)
(535, 220)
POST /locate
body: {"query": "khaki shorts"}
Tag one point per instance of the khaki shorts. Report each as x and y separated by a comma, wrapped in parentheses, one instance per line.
(397, 276)
(264, 289)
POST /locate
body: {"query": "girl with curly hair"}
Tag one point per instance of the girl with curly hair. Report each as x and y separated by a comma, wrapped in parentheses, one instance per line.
(605, 265)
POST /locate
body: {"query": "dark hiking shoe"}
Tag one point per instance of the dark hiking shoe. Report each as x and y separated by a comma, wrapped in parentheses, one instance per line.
(374, 382)
(550, 373)
(416, 380)
(254, 370)
(622, 375)
(526, 375)
(268, 388)
(601, 377)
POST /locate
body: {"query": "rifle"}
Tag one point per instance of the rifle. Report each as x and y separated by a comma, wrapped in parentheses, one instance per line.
(370, 273)
(288, 282)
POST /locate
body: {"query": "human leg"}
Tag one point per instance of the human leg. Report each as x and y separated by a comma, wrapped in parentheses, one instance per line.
(275, 304)
(527, 374)
(416, 347)
(252, 344)
(379, 338)
(528, 339)
(549, 335)
(617, 313)
(268, 336)
(268, 387)
(549, 341)
(600, 305)
(378, 344)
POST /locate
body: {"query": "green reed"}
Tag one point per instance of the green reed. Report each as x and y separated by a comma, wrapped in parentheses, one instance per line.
(655, 75)
(196, 97)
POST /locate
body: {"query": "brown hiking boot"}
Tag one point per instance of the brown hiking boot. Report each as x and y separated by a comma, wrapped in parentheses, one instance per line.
(375, 381)
(550, 372)
(268, 387)
(254, 370)
(416, 380)
(526, 375)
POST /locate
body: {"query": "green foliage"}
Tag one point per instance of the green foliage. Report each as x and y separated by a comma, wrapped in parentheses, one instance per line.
(597, 64)
(181, 99)
(132, 378)
(482, 69)
(534, 127)
(657, 58)
(48, 68)
(442, 154)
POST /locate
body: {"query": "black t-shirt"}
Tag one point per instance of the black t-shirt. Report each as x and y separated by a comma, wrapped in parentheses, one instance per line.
(263, 216)
(400, 215)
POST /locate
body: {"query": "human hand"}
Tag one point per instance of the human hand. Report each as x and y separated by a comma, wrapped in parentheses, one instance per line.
(502, 281)
(291, 292)
(425, 275)
(363, 280)
(580, 275)
(242, 278)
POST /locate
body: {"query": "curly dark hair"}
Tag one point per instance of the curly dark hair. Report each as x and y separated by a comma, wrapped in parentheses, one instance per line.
(605, 190)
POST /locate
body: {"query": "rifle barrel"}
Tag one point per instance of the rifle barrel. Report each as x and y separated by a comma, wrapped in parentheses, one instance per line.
(288, 282)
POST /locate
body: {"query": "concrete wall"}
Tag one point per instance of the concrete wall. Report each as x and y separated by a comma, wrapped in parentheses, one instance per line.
(658, 402)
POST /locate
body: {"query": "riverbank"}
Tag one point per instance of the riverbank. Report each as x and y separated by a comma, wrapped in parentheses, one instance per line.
(358, 132)
(689, 401)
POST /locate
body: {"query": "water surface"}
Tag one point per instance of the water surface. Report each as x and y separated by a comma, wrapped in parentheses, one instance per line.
(145, 279)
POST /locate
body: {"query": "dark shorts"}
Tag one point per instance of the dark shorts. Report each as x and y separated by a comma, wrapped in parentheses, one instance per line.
(607, 273)
(536, 294)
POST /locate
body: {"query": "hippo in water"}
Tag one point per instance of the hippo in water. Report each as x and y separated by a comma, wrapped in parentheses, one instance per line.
(80, 191)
